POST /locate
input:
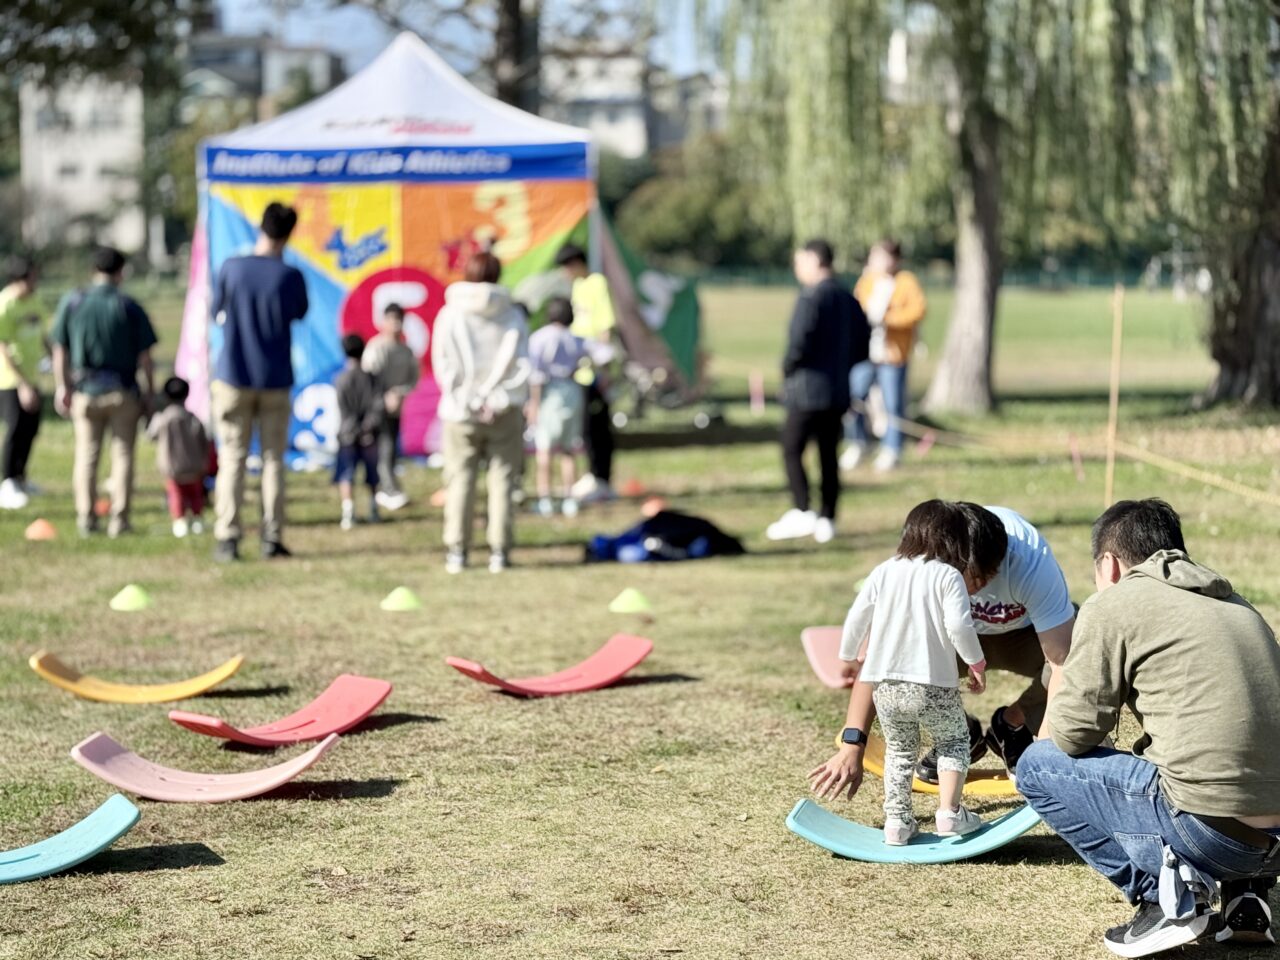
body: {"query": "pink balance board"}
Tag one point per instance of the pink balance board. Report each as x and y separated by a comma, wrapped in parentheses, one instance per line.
(109, 761)
(343, 704)
(822, 647)
(606, 666)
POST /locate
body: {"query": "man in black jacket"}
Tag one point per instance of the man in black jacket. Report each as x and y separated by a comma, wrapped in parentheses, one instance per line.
(829, 334)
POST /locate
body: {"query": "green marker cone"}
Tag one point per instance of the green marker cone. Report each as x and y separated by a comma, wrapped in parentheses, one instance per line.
(131, 599)
(631, 600)
(401, 600)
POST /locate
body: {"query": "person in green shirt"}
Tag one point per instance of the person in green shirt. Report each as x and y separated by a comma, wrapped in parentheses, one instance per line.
(101, 339)
(22, 346)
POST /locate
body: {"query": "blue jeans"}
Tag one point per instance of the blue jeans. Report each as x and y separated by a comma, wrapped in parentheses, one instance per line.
(1109, 806)
(893, 387)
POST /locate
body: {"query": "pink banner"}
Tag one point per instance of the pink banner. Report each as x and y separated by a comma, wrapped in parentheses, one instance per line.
(192, 360)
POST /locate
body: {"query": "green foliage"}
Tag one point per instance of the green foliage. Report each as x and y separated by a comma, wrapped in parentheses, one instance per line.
(618, 177)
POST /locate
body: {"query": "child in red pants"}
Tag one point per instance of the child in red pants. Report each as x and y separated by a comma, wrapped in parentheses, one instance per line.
(182, 454)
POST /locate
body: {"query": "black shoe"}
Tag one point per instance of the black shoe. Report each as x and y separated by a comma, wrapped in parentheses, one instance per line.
(1150, 931)
(226, 551)
(1246, 917)
(274, 550)
(927, 767)
(1007, 741)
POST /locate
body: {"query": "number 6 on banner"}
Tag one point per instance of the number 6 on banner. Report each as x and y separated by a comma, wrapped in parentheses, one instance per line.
(509, 203)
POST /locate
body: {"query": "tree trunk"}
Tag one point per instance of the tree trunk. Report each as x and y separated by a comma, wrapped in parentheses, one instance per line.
(515, 54)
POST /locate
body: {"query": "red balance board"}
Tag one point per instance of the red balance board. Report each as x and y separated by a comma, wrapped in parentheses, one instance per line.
(346, 701)
(604, 667)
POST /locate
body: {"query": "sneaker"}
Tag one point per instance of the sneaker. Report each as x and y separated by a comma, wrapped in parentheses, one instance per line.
(197, 526)
(793, 525)
(181, 528)
(226, 551)
(497, 562)
(12, 496)
(1246, 917)
(585, 486)
(825, 530)
(348, 520)
(275, 550)
(886, 461)
(927, 767)
(852, 456)
(898, 833)
(1007, 741)
(391, 502)
(86, 526)
(117, 528)
(544, 507)
(957, 822)
(569, 507)
(599, 492)
(455, 561)
(1150, 931)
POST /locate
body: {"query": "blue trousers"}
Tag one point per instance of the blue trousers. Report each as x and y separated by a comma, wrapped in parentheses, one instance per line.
(1109, 806)
(893, 387)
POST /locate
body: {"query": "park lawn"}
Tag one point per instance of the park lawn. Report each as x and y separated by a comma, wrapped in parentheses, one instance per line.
(641, 821)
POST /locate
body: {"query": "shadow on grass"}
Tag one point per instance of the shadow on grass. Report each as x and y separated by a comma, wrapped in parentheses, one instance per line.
(161, 856)
(379, 721)
(1039, 851)
(374, 789)
(645, 680)
(248, 693)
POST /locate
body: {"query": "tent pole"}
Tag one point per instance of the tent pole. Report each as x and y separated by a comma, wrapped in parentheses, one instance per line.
(595, 257)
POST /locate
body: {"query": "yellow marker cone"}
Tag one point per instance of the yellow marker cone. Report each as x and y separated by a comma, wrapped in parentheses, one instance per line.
(131, 599)
(41, 529)
(632, 600)
(401, 600)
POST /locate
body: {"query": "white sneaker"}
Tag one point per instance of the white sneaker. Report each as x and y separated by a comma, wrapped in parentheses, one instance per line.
(585, 486)
(348, 515)
(391, 502)
(852, 456)
(599, 492)
(824, 531)
(886, 461)
(544, 507)
(957, 822)
(197, 526)
(898, 833)
(455, 561)
(569, 507)
(793, 525)
(12, 496)
(181, 527)
(497, 562)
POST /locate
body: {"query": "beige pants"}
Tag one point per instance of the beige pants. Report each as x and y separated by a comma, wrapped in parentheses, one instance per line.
(235, 411)
(92, 417)
(465, 446)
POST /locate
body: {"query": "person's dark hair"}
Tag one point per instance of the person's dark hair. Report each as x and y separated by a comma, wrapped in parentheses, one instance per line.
(393, 310)
(570, 253)
(560, 310)
(177, 390)
(18, 267)
(1133, 530)
(353, 346)
(278, 221)
(108, 261)
(483, 267)
(988, 541)
(936, 530)
(822, 250)
(892, 247)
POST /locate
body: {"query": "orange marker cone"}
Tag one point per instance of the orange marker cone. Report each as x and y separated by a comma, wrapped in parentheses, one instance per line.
(632, 488)
(102, 506)
(41, 529)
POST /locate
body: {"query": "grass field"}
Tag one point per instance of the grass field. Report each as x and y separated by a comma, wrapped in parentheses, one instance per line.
(640, 821)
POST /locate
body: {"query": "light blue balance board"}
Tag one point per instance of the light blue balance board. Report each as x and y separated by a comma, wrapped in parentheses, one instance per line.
(848, 839)
(77, 843)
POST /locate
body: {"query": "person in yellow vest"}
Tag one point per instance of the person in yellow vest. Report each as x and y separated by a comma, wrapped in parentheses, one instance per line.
(594, 322)
(895, 305)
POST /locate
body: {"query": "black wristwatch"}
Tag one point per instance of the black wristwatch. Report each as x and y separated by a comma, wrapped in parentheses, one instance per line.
(853, 736)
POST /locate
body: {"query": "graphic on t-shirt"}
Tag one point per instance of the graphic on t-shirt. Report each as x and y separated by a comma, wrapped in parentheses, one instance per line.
(997, 612)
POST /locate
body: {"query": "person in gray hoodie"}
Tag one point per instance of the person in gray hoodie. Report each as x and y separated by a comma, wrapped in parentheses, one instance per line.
(1197, 802)
(480, 359)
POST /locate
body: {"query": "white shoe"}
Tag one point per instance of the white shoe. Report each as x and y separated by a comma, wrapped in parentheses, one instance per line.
(497, 562)
(12, 496)
(599, 492)
(569, 507)
(898, 833)
(585, 486)
(348, 515)
(793, 525)
(544, 507)
(886, 461)
(391, 502)
(852, 456)
(957, 822)
(197, 526)
(181, 528)
(455, 562)
(824, 531)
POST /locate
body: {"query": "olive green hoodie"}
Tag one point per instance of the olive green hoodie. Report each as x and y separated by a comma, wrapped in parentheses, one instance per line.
(1199, 668)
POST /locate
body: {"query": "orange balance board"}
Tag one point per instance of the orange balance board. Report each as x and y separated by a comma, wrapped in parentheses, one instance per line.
(822, 647)
(343, 704)
(50, 668)
(109, 761)
(604, 667)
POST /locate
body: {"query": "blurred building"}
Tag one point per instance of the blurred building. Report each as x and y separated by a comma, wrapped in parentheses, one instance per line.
(260, 70)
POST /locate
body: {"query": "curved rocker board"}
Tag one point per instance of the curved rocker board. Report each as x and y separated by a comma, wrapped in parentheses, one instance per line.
(857, 842)
(74, 845)
(822, 647)
(109, 761)
(50, 668)
(343, 704)
(604, 667)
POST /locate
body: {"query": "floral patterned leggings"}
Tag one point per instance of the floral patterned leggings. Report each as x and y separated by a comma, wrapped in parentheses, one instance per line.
(904, 709)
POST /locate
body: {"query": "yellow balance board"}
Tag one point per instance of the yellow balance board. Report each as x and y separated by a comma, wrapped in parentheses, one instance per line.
(981, 782)
(48, 666)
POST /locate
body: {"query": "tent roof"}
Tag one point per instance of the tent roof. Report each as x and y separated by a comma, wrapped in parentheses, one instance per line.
(407, 97)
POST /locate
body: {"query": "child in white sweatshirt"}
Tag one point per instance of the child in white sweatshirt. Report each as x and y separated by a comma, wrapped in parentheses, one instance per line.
(903, 633)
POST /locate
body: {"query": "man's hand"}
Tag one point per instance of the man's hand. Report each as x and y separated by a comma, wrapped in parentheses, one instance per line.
(977, 680)
(28, 397)
(62, 401)
(843, 772)
(849, 672)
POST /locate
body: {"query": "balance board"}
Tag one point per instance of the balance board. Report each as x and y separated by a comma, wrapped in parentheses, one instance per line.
(109, 761)
(604, 667)
(50, 668)
(77, 843)
(343, 704)
(857, 842)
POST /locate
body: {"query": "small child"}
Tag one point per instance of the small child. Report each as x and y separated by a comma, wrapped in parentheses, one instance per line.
(903, 633)
(556, 402)
(360, 410)
(388, 359)
(182, 455)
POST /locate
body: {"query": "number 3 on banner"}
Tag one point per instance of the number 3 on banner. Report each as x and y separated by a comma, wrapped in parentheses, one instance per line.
(509, 204)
